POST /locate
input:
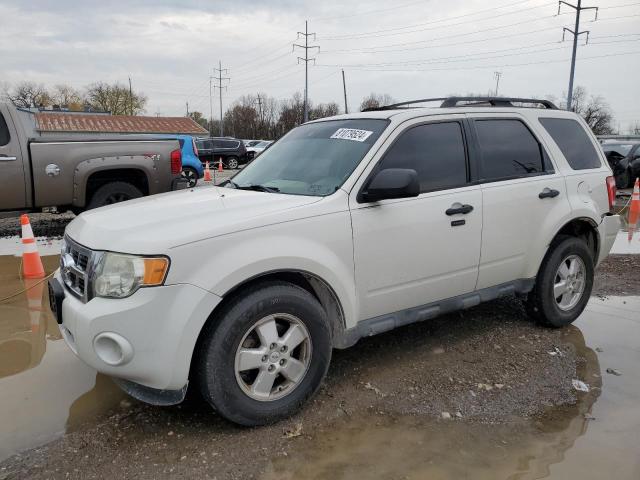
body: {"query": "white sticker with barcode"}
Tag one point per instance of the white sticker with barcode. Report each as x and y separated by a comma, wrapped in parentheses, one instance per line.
(351, 134)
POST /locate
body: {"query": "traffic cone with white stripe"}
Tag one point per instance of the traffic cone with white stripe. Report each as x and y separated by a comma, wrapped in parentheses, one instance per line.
(634, 209)
(31, 261)
(207, 172)
(220, 165)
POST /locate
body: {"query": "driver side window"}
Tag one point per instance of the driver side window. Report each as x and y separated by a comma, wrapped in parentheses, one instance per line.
(436, 151)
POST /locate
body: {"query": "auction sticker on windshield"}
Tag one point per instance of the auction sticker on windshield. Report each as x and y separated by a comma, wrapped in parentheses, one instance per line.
(351, 134)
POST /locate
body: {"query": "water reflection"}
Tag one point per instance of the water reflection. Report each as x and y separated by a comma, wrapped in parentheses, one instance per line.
(44, 389)
(415, 447)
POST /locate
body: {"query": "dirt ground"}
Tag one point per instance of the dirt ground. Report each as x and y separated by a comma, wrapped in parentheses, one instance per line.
(485, 366)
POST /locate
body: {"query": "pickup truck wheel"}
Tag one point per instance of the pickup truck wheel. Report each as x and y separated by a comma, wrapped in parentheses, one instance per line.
(113, 192)
(232, 163)
(563, 284)
(265, 354)
(191, 175)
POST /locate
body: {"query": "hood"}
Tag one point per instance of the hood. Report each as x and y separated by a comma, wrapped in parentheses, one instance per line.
(154, 224)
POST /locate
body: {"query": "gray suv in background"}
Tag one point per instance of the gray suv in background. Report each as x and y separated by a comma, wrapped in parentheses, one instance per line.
(231, 150)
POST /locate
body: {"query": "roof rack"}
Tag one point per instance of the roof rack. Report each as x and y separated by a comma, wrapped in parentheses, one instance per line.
(448, 102)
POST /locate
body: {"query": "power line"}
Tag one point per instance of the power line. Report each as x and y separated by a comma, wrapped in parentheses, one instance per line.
(306, 61)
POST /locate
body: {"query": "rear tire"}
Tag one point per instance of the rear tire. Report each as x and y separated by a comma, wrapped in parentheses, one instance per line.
(114, 192)
(564, 283)
(241, 346)
(232, 163)
(191, 175)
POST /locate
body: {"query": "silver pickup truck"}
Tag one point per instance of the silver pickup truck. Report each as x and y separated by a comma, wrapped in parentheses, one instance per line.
(79, 171)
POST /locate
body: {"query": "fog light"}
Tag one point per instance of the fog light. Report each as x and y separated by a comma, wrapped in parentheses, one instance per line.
(112, 349)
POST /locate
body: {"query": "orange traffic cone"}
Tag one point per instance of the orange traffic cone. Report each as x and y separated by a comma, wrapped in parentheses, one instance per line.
(207, 173)
(31, 261)
(634, 209)
(220, 165)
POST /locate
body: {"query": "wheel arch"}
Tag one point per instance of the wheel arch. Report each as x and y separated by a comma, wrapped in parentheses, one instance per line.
(579, 227)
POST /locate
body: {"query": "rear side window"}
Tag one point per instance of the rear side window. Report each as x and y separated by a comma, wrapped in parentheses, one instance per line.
(435, 151)
(573, 141)
(229, 144)
(508, 150)
(4, 132)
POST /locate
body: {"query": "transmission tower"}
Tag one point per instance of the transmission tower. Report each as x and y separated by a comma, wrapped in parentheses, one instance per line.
(306, 61)
(576, 33)
(220, 79)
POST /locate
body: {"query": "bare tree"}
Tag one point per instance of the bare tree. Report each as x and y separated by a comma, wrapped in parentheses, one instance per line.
(635, 128)
(375, 100)
(67, 96)
(29, 95)
(324, 110)
(115, 99)
(291, 113)
(594, 109)
(199, 119)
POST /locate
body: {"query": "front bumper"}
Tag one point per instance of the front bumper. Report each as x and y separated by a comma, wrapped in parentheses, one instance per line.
(147, 338)
(608, 229)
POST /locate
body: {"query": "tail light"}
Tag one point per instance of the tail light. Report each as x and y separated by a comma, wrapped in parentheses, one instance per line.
(176, 162)
(611, 191)
(195, 147)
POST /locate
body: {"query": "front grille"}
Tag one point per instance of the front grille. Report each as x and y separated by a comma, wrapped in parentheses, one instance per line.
(74, 268)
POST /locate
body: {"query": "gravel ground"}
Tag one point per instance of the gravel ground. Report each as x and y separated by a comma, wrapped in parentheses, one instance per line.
(489, 365)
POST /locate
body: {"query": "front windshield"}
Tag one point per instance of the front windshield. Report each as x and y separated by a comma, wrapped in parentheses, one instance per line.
(313, 159)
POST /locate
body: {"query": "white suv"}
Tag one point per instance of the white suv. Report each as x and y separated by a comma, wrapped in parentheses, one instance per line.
(346, 227)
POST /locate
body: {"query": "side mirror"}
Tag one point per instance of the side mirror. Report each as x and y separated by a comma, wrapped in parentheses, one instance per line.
(392, 183)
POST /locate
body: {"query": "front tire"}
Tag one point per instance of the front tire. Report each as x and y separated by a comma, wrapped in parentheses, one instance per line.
(564, 283)
(265, 354)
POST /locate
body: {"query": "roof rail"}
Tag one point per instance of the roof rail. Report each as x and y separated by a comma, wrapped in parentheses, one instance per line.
(448, 102)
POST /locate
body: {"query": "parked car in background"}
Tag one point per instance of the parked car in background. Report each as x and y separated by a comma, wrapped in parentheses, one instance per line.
(257, 148)
(79, 171)
(231, 150)
(192, 168)
(250, 143)
(349, 226)
(624, 160)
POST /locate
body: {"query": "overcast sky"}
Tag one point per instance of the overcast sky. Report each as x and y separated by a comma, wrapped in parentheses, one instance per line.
(408, 49)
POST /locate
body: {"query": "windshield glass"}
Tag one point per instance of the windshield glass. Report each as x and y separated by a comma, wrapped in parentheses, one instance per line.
(313, 159)
(621, 149)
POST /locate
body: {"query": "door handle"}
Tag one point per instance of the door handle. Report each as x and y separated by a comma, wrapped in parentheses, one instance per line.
(457, 208)
(4, 158)
(548, 193)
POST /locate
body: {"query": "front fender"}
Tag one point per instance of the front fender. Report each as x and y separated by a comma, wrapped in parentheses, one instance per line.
(320, 246)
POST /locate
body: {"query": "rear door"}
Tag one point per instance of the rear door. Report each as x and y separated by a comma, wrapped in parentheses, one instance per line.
(523, 197)
(412, 251)
(12, 176)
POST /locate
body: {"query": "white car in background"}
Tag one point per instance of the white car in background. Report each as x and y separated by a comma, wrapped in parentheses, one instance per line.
(259, 147)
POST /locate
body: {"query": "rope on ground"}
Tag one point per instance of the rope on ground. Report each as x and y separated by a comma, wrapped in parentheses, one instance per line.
(27, 289)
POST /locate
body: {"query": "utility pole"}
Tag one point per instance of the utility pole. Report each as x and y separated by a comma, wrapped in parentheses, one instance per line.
(219, 86)
(210, 106)
(130, 98)
(187, 109)
(306, 61)
(576, 33)
(497, 76)
(344, 87)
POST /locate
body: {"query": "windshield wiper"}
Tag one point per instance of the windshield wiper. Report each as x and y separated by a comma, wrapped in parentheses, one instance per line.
(257, 188)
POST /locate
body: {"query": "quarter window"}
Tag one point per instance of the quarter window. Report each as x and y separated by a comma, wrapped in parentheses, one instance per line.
(435, 151)
(573, 141)
(4, 132)
(508, 149)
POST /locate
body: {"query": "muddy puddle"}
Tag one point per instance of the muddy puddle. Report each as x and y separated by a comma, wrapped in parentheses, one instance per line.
(45, 390)
(598, 437)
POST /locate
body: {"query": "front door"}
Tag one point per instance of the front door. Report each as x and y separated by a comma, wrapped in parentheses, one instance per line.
(414, 251)
(12, 181)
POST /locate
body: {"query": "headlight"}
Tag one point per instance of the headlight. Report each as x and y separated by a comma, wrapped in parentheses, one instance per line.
(118, 275)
